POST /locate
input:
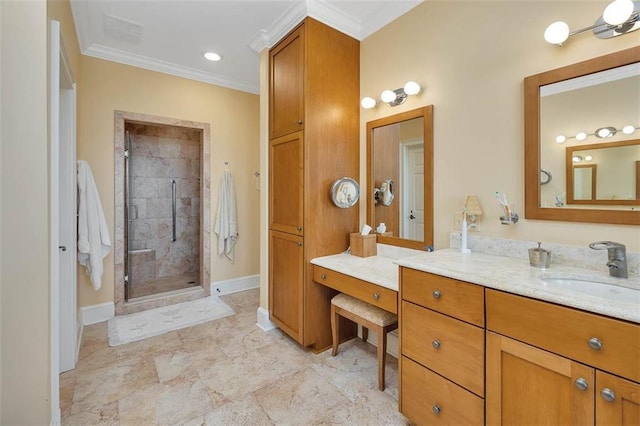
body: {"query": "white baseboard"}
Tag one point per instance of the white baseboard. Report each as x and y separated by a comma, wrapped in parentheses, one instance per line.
(263, 320)
(97, 313)
(235, 285)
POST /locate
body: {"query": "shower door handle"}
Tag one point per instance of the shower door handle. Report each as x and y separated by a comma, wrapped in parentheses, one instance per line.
(173, 207)
(133, 212)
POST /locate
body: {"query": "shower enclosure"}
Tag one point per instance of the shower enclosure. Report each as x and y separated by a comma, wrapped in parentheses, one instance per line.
(163, 171)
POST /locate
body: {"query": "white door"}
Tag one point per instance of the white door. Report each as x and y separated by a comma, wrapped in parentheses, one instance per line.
(62, 206)
(413, 191)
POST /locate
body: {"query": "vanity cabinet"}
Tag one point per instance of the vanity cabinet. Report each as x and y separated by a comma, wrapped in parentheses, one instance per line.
(442, 344)
(549, 364)
(314, 140)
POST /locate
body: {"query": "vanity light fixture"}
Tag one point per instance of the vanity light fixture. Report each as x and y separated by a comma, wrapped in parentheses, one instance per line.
(601, 132)
(619, 17)
(392, 97)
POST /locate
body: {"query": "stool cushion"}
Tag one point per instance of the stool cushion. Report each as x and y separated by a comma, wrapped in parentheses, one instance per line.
(362, 309)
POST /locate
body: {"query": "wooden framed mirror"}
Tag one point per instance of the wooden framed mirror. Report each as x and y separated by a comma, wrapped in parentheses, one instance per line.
(400, 152)
(539, 199)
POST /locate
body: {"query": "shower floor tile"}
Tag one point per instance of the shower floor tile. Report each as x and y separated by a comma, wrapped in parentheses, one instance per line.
(226, 372)
(163, 285)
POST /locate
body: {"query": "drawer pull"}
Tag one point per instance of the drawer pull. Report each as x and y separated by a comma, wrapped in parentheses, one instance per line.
(608, 395)
(323, 276)
(436, 294)
(436, 344)
(436, 409)
(376, 296)
(581, 384)
(595, 343)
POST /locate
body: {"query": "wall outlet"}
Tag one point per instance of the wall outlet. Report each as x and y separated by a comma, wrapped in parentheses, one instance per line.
(471, 227)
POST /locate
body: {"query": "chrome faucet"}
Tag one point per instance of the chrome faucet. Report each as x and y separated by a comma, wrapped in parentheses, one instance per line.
(617, 262)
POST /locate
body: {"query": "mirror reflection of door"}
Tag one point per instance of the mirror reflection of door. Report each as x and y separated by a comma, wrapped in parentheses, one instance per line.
(412, 210)
(584, 182)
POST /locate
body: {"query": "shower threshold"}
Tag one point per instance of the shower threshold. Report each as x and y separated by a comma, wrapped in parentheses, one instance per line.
(180, 291)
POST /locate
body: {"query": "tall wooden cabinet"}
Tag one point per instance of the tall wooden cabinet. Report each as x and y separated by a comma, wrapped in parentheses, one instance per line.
(313, 131)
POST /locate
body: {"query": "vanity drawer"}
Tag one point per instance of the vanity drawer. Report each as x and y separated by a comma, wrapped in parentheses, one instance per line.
(427, 398)
(373, 294)
(446, 345)
(451, 297)
(568, 332)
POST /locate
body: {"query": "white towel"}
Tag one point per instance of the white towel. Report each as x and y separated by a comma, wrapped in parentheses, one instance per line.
(226, 226)
(93, 235)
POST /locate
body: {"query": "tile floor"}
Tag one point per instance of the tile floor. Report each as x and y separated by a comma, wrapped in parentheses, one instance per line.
(226, 372)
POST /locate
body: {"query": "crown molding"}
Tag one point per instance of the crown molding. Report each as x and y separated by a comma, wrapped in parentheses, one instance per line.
(335, 18)
(116, 55)
(267, 38)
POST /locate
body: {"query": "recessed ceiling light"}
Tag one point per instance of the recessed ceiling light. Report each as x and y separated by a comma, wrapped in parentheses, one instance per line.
(212, 56)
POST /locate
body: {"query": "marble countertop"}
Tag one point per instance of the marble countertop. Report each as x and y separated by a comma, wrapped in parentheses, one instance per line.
(518, 277)
(509, 274)
(380, 270)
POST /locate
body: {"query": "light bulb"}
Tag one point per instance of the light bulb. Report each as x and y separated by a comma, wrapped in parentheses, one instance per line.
(212, 56)
(603, 132)
(627, 130)
(581, 136)
(411, 88)
(588, 158)
(388, 96)
(618, 12)
(576, 159)
(561, 139)
(368, 102)
(557, 33)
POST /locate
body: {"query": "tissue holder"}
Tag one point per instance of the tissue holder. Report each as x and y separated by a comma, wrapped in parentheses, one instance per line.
(363, 245)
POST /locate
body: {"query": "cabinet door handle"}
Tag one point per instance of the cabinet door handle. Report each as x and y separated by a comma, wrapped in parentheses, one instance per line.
(376, 296)
(299, 244)
(323, 276)
(595, 344)
(581, 384)
(608, 395)
(436, 409)
(299, 121)
(436, 294)
(299, 228)
(436, 344)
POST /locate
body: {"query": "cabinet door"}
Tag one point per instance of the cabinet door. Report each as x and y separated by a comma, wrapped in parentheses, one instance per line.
(286, 178)
(529, 386)
(286, 96)
(286, 283)
(617, 400)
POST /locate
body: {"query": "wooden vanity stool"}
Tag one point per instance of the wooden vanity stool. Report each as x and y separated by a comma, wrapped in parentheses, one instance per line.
(368, 316)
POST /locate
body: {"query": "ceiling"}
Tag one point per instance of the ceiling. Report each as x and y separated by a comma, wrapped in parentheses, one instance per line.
(170, 36)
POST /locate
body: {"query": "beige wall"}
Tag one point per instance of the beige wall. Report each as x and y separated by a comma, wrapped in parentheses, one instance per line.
(473, 75)
(233, 116)
(24, 241)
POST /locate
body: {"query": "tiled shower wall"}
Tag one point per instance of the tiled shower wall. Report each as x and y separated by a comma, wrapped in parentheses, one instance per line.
(160, 154)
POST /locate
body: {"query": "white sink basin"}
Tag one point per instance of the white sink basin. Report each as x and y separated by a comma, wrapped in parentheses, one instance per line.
(592, 287)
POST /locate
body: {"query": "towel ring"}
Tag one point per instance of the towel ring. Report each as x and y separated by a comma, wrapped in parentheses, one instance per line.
(545, 177)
